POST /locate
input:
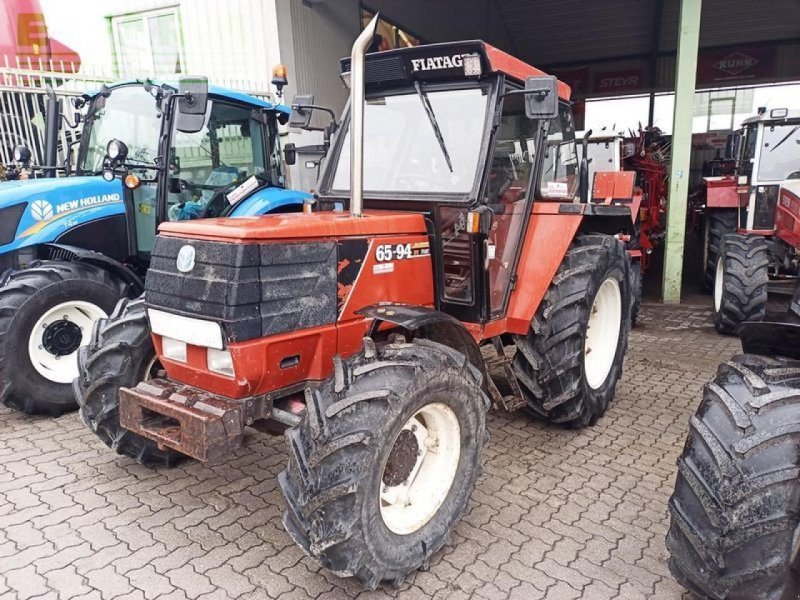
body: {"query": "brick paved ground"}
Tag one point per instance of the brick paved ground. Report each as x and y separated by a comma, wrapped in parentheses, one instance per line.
(558, 514)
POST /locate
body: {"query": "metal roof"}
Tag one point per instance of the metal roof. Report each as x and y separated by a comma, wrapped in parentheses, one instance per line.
(557, 32)
(213, 90)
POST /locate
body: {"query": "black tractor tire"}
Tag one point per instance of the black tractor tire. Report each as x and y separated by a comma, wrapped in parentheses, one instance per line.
(636, 290)
(338, 453)
(735, 512)
(120, 354)
(742, 295)
(719, 222)
(26, 296)
(550, 361)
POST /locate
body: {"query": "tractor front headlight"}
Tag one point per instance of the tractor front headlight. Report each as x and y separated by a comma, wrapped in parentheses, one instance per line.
(116, 150)
(21, 154)
(220, 361)
(174, 349)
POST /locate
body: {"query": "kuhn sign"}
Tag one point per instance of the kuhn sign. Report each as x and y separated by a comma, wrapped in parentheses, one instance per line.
(736, 65)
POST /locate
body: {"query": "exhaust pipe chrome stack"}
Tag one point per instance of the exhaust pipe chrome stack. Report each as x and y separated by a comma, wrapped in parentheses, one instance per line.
(357, 85)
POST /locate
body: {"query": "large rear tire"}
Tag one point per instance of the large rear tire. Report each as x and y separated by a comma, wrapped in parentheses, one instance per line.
(120, 354)
(383, 465)
(719, 222)
(740, 285)
(735, 512)
(46, 314)
(586, 310)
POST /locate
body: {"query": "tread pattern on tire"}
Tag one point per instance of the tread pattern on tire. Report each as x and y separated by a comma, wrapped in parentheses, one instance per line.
(636, 291)
(735, 511)
(549, 360)
(720, 223)
(332, 451)
(745, 280)
(120, 348)
(18, 287)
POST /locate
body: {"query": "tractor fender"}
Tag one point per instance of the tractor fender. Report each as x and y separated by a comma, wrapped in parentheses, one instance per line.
(770, 338)
(75, 254)
(427, 323)
(600, 218)
(270, 199)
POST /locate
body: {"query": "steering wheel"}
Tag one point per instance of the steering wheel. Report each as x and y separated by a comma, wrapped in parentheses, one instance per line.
(219, 206)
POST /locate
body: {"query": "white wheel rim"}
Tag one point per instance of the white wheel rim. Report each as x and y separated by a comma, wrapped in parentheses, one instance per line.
(410, 504)
(602, 333)
(718, 277)
(64, 368)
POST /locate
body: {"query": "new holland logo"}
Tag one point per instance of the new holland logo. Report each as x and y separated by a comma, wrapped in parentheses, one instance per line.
(41, 210)
(185, 260)
(736, 63)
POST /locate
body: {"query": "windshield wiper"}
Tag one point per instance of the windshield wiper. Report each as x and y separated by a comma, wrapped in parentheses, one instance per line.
(788, 135)
(434, 123)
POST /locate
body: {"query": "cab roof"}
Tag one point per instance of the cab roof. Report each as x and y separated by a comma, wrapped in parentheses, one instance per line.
(771, 116)
(213, 90)
(444, 60)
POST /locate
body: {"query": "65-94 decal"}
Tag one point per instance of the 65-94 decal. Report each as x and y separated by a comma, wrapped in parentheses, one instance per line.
(390, 252)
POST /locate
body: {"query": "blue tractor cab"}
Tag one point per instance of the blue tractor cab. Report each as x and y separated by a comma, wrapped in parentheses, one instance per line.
(71, 247)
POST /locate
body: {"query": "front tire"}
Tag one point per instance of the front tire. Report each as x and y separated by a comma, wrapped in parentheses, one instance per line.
(383, 465)
(586, 310)
(740, 285)
(735, 511)
(46, 314)
(120, 354)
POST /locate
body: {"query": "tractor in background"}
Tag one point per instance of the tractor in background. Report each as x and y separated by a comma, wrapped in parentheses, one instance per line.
(753, 218)
(735, 511)
(468, 223)
(71, 247)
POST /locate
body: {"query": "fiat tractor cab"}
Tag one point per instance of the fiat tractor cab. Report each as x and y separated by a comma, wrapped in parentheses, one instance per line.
(72, 246)
(752, 218)
(359, 328)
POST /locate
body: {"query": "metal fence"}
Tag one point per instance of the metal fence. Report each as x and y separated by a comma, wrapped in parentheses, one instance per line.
(23, 96)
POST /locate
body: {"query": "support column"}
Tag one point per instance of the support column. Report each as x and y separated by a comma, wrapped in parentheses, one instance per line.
(685, 75)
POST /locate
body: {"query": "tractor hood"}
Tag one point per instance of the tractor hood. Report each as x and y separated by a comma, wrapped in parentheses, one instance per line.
(297, 226)
(37, 211)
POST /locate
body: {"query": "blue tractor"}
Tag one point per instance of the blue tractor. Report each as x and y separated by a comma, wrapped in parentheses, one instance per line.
(71, 247)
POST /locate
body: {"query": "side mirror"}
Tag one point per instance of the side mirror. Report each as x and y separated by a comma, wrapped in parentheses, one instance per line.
(192, 104)
(732, 144)
(301, 111)
(541, 97)
(289, 154)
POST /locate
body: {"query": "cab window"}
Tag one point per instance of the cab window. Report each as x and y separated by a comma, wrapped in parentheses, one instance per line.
(559, 174)
(207, 165)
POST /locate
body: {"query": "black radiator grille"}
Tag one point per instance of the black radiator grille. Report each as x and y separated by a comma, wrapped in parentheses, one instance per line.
(251, 290)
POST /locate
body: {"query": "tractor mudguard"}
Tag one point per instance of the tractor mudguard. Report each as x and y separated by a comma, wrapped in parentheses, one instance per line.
(601, 218)
(269, 199)
(430, 324)
(770, 338)
(73, 253)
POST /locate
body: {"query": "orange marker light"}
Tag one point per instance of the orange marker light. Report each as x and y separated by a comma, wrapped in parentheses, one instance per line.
(279, 71)
(473, 222)
(132, 181)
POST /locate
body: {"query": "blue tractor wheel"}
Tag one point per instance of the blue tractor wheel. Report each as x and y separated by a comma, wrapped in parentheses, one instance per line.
(46, 314)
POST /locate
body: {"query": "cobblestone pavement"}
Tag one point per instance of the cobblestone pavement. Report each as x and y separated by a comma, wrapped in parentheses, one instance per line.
(558, 514)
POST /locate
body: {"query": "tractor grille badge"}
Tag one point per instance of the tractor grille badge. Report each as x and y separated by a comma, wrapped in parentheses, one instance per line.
(185, 260)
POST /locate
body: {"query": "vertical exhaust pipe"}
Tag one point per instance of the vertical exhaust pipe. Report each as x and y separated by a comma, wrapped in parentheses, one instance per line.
(52, 125)
(357, 117)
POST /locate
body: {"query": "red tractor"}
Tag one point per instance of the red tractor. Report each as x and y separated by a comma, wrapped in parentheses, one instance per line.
(361, 331)
(752, 230)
